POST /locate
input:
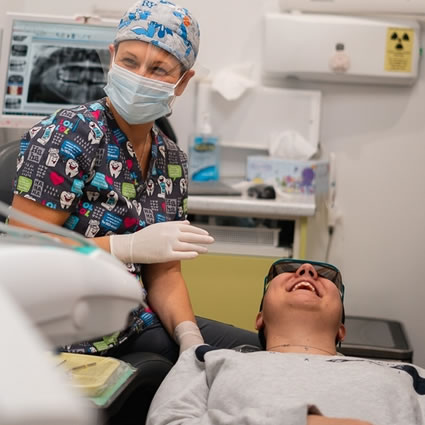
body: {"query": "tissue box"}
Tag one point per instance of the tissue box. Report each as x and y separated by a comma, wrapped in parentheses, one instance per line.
(291, 176)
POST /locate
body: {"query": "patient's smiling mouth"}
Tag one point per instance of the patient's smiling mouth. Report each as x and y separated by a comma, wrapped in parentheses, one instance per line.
(306, 286)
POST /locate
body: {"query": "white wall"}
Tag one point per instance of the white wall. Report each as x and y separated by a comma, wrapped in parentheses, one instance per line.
(379, 138)
(378, 135)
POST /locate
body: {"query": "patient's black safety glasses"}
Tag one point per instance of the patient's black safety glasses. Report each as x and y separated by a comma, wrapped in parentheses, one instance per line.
(289, 265)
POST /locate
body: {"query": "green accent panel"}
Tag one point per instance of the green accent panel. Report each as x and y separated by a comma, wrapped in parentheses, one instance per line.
(303, 238)
(227, 288)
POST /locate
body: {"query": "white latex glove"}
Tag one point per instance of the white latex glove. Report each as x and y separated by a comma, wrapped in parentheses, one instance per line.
(187, 334)
(161, 242)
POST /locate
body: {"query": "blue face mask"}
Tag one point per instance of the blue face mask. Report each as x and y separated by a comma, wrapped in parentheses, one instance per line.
(138, 99)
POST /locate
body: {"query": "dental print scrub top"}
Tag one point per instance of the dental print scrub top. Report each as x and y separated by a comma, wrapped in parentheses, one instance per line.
(78, 160)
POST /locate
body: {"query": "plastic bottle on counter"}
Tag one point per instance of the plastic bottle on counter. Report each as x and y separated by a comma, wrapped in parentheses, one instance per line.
(204, 154)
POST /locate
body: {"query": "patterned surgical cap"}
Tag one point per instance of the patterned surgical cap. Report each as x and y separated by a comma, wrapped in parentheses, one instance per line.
(163, 24)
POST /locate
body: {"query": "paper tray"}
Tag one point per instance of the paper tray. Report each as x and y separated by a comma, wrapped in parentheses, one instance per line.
(90, 374)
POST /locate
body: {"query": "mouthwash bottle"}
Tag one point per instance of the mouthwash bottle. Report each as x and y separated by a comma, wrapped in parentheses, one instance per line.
(204, 154)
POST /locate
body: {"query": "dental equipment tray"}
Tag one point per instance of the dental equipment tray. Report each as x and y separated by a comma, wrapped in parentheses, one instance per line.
(376, 338)
(95, 376)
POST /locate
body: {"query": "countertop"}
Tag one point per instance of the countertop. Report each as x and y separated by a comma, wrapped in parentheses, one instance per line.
(299, 206)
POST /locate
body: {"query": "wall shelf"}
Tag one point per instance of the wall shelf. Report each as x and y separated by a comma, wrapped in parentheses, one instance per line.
(303, 206)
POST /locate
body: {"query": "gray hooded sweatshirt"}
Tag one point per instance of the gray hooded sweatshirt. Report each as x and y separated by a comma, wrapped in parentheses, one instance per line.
(223, 387)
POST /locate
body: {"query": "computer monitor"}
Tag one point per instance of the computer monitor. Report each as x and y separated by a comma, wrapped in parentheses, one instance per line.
(51, 62)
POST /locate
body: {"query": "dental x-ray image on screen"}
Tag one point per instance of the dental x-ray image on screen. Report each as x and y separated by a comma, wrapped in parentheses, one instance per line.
(68, 75)
(51, 62)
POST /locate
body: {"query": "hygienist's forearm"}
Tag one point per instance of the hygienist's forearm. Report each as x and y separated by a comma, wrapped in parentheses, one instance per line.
(51, 216)
(167, 294)
(101, 242)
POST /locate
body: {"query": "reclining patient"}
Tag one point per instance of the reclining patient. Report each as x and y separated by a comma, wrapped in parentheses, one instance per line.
(299, 378)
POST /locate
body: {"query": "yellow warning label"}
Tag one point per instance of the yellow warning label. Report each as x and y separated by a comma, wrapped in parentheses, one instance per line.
(399, 47)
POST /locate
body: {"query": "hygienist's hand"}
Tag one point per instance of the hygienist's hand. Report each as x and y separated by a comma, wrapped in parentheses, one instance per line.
(160, 243)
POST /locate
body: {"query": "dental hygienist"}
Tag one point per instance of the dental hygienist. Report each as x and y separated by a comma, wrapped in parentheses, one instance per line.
(105, 170)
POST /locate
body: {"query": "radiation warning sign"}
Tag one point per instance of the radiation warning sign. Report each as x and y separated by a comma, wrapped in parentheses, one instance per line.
(399, 48)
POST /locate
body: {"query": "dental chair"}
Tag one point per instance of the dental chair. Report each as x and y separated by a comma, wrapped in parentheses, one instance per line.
(376, 338)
